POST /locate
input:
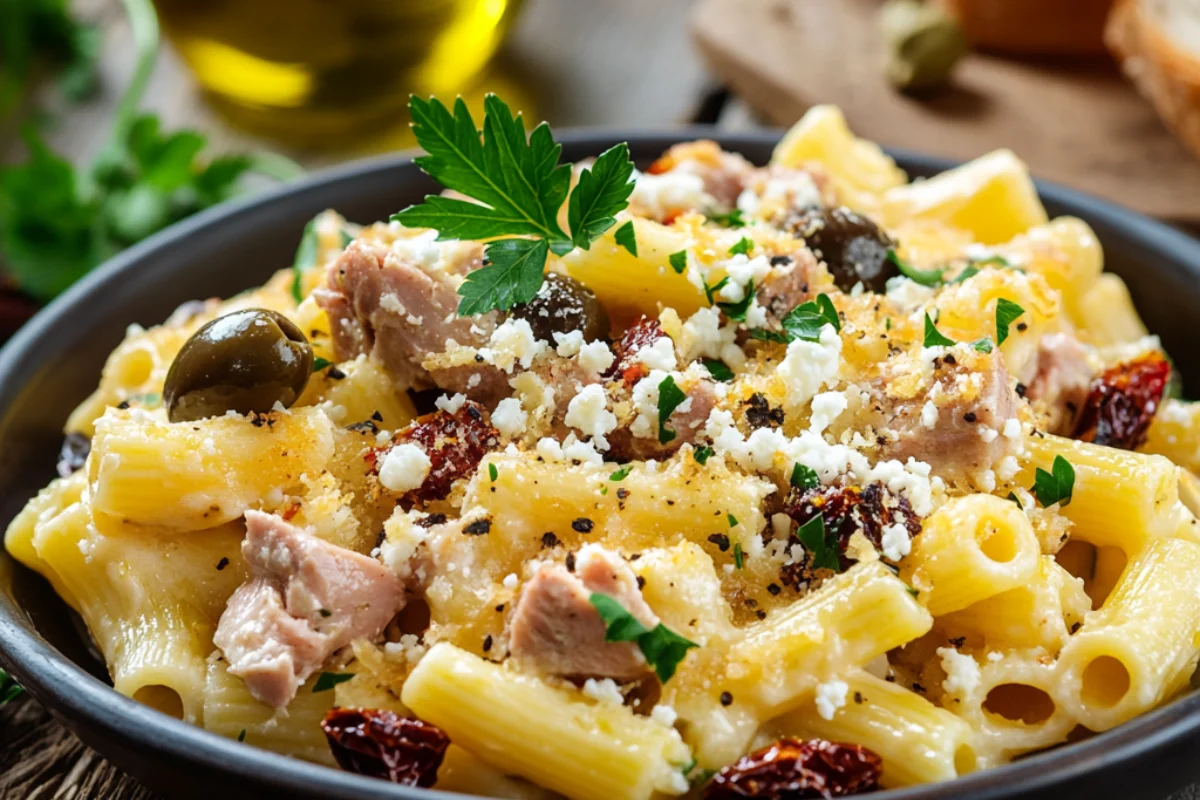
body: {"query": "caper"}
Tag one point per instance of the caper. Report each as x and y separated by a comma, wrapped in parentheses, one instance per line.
(853, 247)
(245, 361)
(564, 304)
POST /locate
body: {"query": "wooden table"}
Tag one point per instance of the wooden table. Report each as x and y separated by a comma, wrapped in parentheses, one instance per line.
(626, 63)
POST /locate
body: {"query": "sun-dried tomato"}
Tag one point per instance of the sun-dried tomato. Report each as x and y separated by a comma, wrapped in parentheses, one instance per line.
(382, 744)
(847, 509)
(646, 331)
(455, 444)
(791, 769)
(1122, 402)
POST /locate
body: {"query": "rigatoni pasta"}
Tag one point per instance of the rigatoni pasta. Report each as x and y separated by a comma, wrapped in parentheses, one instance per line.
(625, 482)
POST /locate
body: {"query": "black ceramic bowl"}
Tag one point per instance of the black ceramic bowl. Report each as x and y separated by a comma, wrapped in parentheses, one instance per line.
(54, 362)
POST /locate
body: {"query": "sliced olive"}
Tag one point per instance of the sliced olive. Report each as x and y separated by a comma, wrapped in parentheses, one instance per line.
(564, 304)
(245, 361)
(853, 247)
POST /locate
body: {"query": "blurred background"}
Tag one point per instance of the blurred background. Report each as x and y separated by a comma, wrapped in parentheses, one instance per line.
(120, 117)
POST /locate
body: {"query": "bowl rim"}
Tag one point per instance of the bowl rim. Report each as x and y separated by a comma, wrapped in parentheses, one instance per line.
(71, 692)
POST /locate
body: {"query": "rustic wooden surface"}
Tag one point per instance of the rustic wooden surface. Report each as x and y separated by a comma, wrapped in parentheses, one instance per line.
(1077, 123)
(625, 63)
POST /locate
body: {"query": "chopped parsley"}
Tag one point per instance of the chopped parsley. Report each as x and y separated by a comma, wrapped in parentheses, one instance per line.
(305, 258)
(242, 735)
(493, 473)
(1055, 486)
(925, 277)
(1007, 312)
(805, 321)
(738, 557)
(967, 273)
(516, 188)
(718, 369)
(621, 474)
(702, 454)
(1013, 496)
(731, 220)
(678, 261)
(804, 477)
(670, 397)
(983, 345)
(710, 291)
(812, 536)
(737, 311)
(662, 647)
(998, 260)
(732, 520)
(626, 237)
(328, 680)
(933, 337)
(743, 247)
(320, 363)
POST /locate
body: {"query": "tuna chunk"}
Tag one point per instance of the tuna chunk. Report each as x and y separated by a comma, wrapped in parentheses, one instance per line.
(1061, 382)
(556, 630)
(305, 599)
(788, 286)
(388, 302)
(963, 430)
(687, 422)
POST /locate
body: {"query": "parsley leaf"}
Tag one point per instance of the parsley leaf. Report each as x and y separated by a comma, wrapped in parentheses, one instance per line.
(493, 473)
(662, 647)
(621, 474)
(812, 536)
(513, 277)
(737, 311)
(9, 688)
(305, 259)
(998, 260)
(1055, 486)
(743, 247)
(702, 454)
(242, 736)
(710, 291)
(731, 220)
(678, 262)
(934, 338)
(805, 321)
(517, 187)
(738, 557)
(627, 238)
(670, 397)
(804, 477)
(36, 31)
(602, 191)
(983, 345)
(967, 273)
(1006, 313)
(1013, 496)
(925, 277)
(328, 680)
(320, 363)
(732, 520)
(718, 369)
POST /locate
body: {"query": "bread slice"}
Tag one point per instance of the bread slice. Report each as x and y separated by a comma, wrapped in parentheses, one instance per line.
(1158, 45)
(1033, 27)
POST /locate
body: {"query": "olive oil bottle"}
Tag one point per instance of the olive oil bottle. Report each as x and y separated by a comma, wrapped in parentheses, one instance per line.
(307, 70)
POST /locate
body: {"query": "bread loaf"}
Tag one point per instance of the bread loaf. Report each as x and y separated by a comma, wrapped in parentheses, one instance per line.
(1033, 27)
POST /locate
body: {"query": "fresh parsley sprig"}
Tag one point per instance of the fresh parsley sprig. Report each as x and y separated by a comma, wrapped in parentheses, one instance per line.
(804, 477)
(517, 187)
(935, 338)
(1055, 486)
(662, 647)
(824, 554)
(327, 680)
(670, 397)
(626, 237)
(1007, 313)
(45, 30)
(805, 321)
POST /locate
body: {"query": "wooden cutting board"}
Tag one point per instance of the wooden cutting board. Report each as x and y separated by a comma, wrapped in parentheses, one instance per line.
(1075, 123)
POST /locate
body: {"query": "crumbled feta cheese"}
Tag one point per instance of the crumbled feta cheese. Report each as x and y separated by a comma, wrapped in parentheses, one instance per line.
(583, 452)
(909, 295)
(781, 525)
(809, 366)
(664, 715)
(509, 418)
(702, 336)
(1007, 468)
(962, 672)
(895, 542)
(826, 407)
(451, 405)
(988, 434)
(722, 431)
(510, 581)
(831, 695)
(732, 292)
(596, 357)
(549, 449)
(670, 192)
(588, 413)
(658, 355)
(929, 414)
(568, 343)
(604, 691)
(512, 343)
(1012, 428)
(645, 403)
(404, 468)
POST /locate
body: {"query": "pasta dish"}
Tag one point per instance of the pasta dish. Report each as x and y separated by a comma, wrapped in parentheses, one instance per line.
(779, 481)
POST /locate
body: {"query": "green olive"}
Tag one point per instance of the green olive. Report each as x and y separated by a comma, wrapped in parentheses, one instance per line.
(245, 361)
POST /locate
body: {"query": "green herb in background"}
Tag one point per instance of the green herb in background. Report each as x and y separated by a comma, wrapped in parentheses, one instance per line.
(9, 689)
(57, 223)
(37, 32)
